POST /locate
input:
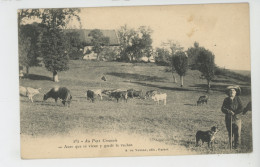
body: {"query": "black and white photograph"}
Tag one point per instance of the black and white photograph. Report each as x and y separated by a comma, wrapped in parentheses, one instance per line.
(134, 81)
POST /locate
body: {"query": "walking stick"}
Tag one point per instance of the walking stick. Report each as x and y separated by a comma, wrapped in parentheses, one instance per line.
(231, 132)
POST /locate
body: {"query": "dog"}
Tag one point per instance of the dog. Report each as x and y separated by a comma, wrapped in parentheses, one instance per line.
(206, 136)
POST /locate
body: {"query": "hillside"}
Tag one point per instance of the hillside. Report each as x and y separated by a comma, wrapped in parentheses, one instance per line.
(173, 124)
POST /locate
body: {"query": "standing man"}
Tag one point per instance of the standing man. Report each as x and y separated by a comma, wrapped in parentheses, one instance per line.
(232, 107)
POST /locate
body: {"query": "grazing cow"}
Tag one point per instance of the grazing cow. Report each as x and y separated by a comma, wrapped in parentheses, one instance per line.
(160, 97)
(59, 93)
(119, 94)
(202, 100)
(248, 107)
(91, 94)
(150, 93)
(29, 92)
(134, 93)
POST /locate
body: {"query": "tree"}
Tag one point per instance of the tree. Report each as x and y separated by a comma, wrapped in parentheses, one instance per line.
(55, 21)
(75, 45)
(180, 63)
(53, 47)
(163, 57)
(206, 64)
(134, 44)
(29, 44)
(99, 41)
(165, 53)
(193, 53)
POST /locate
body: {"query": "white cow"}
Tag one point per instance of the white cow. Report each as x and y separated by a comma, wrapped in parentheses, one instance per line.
(160, 97)
(29, 92)
(94, 92)
(98, 92)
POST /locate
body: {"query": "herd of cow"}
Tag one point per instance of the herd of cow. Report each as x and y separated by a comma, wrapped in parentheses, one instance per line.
(65, 95)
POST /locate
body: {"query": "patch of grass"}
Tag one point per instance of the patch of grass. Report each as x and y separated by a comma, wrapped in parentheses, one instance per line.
(173, 124)
(238, 75)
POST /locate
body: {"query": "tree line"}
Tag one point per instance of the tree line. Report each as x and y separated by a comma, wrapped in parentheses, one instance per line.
(47, 42)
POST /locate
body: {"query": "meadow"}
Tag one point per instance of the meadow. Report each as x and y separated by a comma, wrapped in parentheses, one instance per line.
(173, 124)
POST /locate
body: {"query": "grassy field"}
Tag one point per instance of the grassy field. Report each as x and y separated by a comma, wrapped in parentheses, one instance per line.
(173, 124)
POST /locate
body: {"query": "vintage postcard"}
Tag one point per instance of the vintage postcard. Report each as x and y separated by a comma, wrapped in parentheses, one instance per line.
(135, 81)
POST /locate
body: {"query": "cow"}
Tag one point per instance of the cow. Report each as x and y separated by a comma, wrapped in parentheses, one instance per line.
(119, 94)
(91, 94)
(150, 93)
(160, 97)
(202, 100)
(134, 93)
(59, 93)
(29, 92)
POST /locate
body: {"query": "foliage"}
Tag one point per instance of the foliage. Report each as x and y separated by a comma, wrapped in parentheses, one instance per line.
(58, 18)
(109, 53)
(193, 53)
(29, 44)
(54, 51)
(75, 45)
(24, 14)
(165, 52)
(98, 41)
(163, 57)
(134, 44)
(206, 64)
(180, 63)
(53, 44)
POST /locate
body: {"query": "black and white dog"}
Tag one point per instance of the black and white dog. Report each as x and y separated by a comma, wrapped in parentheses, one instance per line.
(206, 136)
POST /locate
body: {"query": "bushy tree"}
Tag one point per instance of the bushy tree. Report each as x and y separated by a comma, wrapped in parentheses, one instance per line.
(29, 44)
(165, 53)
(134, 44)
(55, 21)
(109, 53)
(180, 64)
(206, 64)
(98, 41)
(163, 57)
(54, 50)
(193, 53)
(75, 45)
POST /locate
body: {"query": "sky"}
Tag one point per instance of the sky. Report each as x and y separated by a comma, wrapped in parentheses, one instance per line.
(221, 28)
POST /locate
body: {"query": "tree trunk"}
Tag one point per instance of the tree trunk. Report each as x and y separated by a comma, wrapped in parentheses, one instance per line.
(174, 79)
(209, 91)
(27, 70)
(208, 84)
(55, 76)
(181, 78)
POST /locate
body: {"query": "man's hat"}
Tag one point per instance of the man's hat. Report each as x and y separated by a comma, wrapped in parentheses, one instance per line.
(236, 87)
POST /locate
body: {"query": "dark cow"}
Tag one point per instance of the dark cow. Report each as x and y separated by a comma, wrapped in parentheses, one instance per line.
(134, 93)
(59, 93)
(118, 95)
(202, 100)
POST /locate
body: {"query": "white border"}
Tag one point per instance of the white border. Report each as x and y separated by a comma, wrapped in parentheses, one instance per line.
(9, 108)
